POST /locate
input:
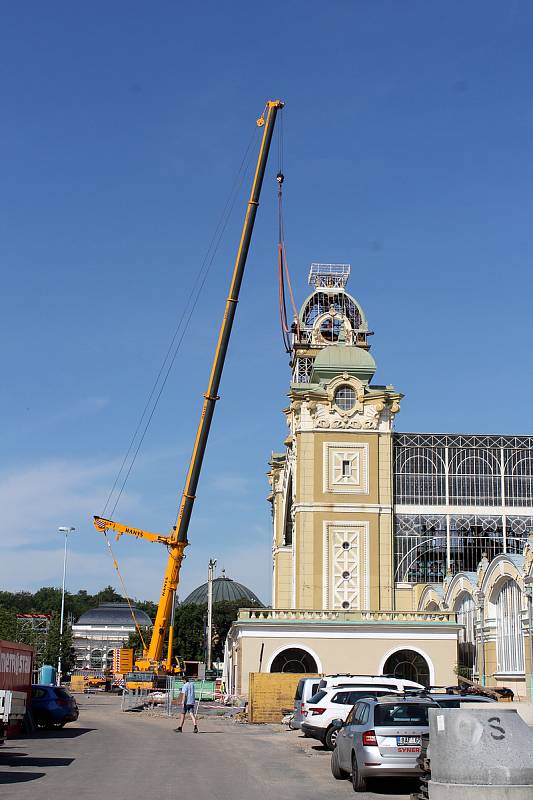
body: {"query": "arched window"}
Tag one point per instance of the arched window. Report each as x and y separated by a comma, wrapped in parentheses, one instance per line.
(294, 660)
(409, 665)
(420, 475)
(321, 302)
(466, 615)
(287, 523)
(475, 477)
(509, 636)
(519, 478)
(96, 659)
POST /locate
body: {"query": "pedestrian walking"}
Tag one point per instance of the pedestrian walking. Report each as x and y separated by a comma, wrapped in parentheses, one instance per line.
(187, 691)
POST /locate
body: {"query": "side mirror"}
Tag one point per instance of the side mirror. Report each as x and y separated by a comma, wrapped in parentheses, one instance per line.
(337, 723)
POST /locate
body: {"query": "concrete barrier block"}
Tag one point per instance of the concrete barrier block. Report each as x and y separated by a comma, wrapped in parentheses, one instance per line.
(525, 710)
(482, 746)
(463, 791)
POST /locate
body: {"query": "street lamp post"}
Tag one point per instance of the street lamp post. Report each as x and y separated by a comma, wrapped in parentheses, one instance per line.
(66, 531)
(528, 581)
(210, 576)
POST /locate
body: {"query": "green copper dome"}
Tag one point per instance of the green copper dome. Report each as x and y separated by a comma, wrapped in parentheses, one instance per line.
(336, 359)
(224, 590)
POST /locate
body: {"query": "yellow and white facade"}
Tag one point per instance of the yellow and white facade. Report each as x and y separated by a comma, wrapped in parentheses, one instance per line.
(408, 553)
(333, 593)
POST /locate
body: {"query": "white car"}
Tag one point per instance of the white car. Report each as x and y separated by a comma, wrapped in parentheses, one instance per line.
(379, 681)
(306, 688)
(330, 704)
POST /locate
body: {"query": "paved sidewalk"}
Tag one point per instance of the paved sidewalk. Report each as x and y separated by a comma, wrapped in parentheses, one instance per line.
(134, 756)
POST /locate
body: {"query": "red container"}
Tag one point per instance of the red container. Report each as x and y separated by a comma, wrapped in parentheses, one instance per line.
(16, 661)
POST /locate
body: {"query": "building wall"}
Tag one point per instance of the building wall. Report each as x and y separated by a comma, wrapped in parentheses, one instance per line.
(356, 650)
(318, 509)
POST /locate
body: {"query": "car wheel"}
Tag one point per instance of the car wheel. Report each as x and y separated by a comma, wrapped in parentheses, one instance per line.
(336, 770)
(330, 739)
(358, 781)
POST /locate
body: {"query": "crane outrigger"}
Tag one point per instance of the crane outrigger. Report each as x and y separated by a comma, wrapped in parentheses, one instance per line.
(176, 541)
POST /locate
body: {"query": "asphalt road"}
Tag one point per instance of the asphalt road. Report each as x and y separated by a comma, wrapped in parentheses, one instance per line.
(132, 756)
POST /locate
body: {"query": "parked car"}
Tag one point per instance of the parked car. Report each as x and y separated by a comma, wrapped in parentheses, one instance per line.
(306, 688)
(379, 681)
(52, 706)
(381, 737)
(331, 704)
(455, 700)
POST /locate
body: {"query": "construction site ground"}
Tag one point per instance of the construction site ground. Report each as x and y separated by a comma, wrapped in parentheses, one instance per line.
(109, 753)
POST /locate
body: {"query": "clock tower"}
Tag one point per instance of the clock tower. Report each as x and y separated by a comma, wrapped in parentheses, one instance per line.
(331, 488)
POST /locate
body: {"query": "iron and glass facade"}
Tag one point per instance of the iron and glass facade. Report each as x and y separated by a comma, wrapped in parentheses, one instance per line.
(457, 498)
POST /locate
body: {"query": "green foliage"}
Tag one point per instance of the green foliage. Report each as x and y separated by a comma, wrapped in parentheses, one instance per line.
(51, 651)
(223, 615)
(134, 640)
(190, 629)
(148, 606)
(47, 600)
(8, 624)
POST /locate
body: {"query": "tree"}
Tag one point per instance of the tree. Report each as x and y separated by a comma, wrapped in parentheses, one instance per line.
(148, 606)
(224, 614)
(190, 629)
(51, 651)
(189, 632)
(134, 640)
(109, 595)
(8, 624)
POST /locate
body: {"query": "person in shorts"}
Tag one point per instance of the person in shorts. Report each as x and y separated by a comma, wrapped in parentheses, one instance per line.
(188, 704)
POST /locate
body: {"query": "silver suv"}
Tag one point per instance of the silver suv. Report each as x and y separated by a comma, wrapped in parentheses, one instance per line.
(380, 738)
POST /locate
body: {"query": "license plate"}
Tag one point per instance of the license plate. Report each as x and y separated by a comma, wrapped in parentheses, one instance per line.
(414, 741)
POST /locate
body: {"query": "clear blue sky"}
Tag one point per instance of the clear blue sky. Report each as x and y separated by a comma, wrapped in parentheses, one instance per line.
(408, 153)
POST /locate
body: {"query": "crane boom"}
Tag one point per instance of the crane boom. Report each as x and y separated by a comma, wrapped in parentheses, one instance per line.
(177, 540)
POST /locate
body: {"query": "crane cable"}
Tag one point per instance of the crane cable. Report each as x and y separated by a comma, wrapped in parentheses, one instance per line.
(170, 356)
(283, 267)
(173, 348)
(115, 564)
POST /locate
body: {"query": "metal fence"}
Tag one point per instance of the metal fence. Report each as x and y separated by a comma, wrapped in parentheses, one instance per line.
(134, 699)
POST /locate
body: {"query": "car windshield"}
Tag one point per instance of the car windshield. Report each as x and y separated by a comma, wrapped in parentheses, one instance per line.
(404, 714)
(316, 698)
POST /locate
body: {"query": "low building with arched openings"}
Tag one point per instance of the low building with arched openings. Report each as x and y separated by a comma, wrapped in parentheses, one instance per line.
(493, 606)
(404, 553)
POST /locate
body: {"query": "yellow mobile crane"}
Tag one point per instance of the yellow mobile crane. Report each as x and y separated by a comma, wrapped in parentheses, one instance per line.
(176, 541)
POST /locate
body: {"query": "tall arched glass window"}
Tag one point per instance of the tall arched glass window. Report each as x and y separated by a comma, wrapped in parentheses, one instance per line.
(465, 610)
(509, 636)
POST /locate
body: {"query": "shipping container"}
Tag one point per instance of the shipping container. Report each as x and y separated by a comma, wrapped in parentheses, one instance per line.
(16, 661)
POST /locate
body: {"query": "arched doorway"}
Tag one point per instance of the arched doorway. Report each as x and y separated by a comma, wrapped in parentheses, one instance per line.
(293, 659)
(408, 664)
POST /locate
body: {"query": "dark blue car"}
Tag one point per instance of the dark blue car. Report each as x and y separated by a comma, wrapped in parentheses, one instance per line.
(52, 706)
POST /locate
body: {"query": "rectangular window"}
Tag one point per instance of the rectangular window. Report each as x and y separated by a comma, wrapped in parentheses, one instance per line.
(346, 469)
(405, 715)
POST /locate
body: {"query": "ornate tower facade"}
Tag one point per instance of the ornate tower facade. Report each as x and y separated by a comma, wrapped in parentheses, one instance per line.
(332, 487)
